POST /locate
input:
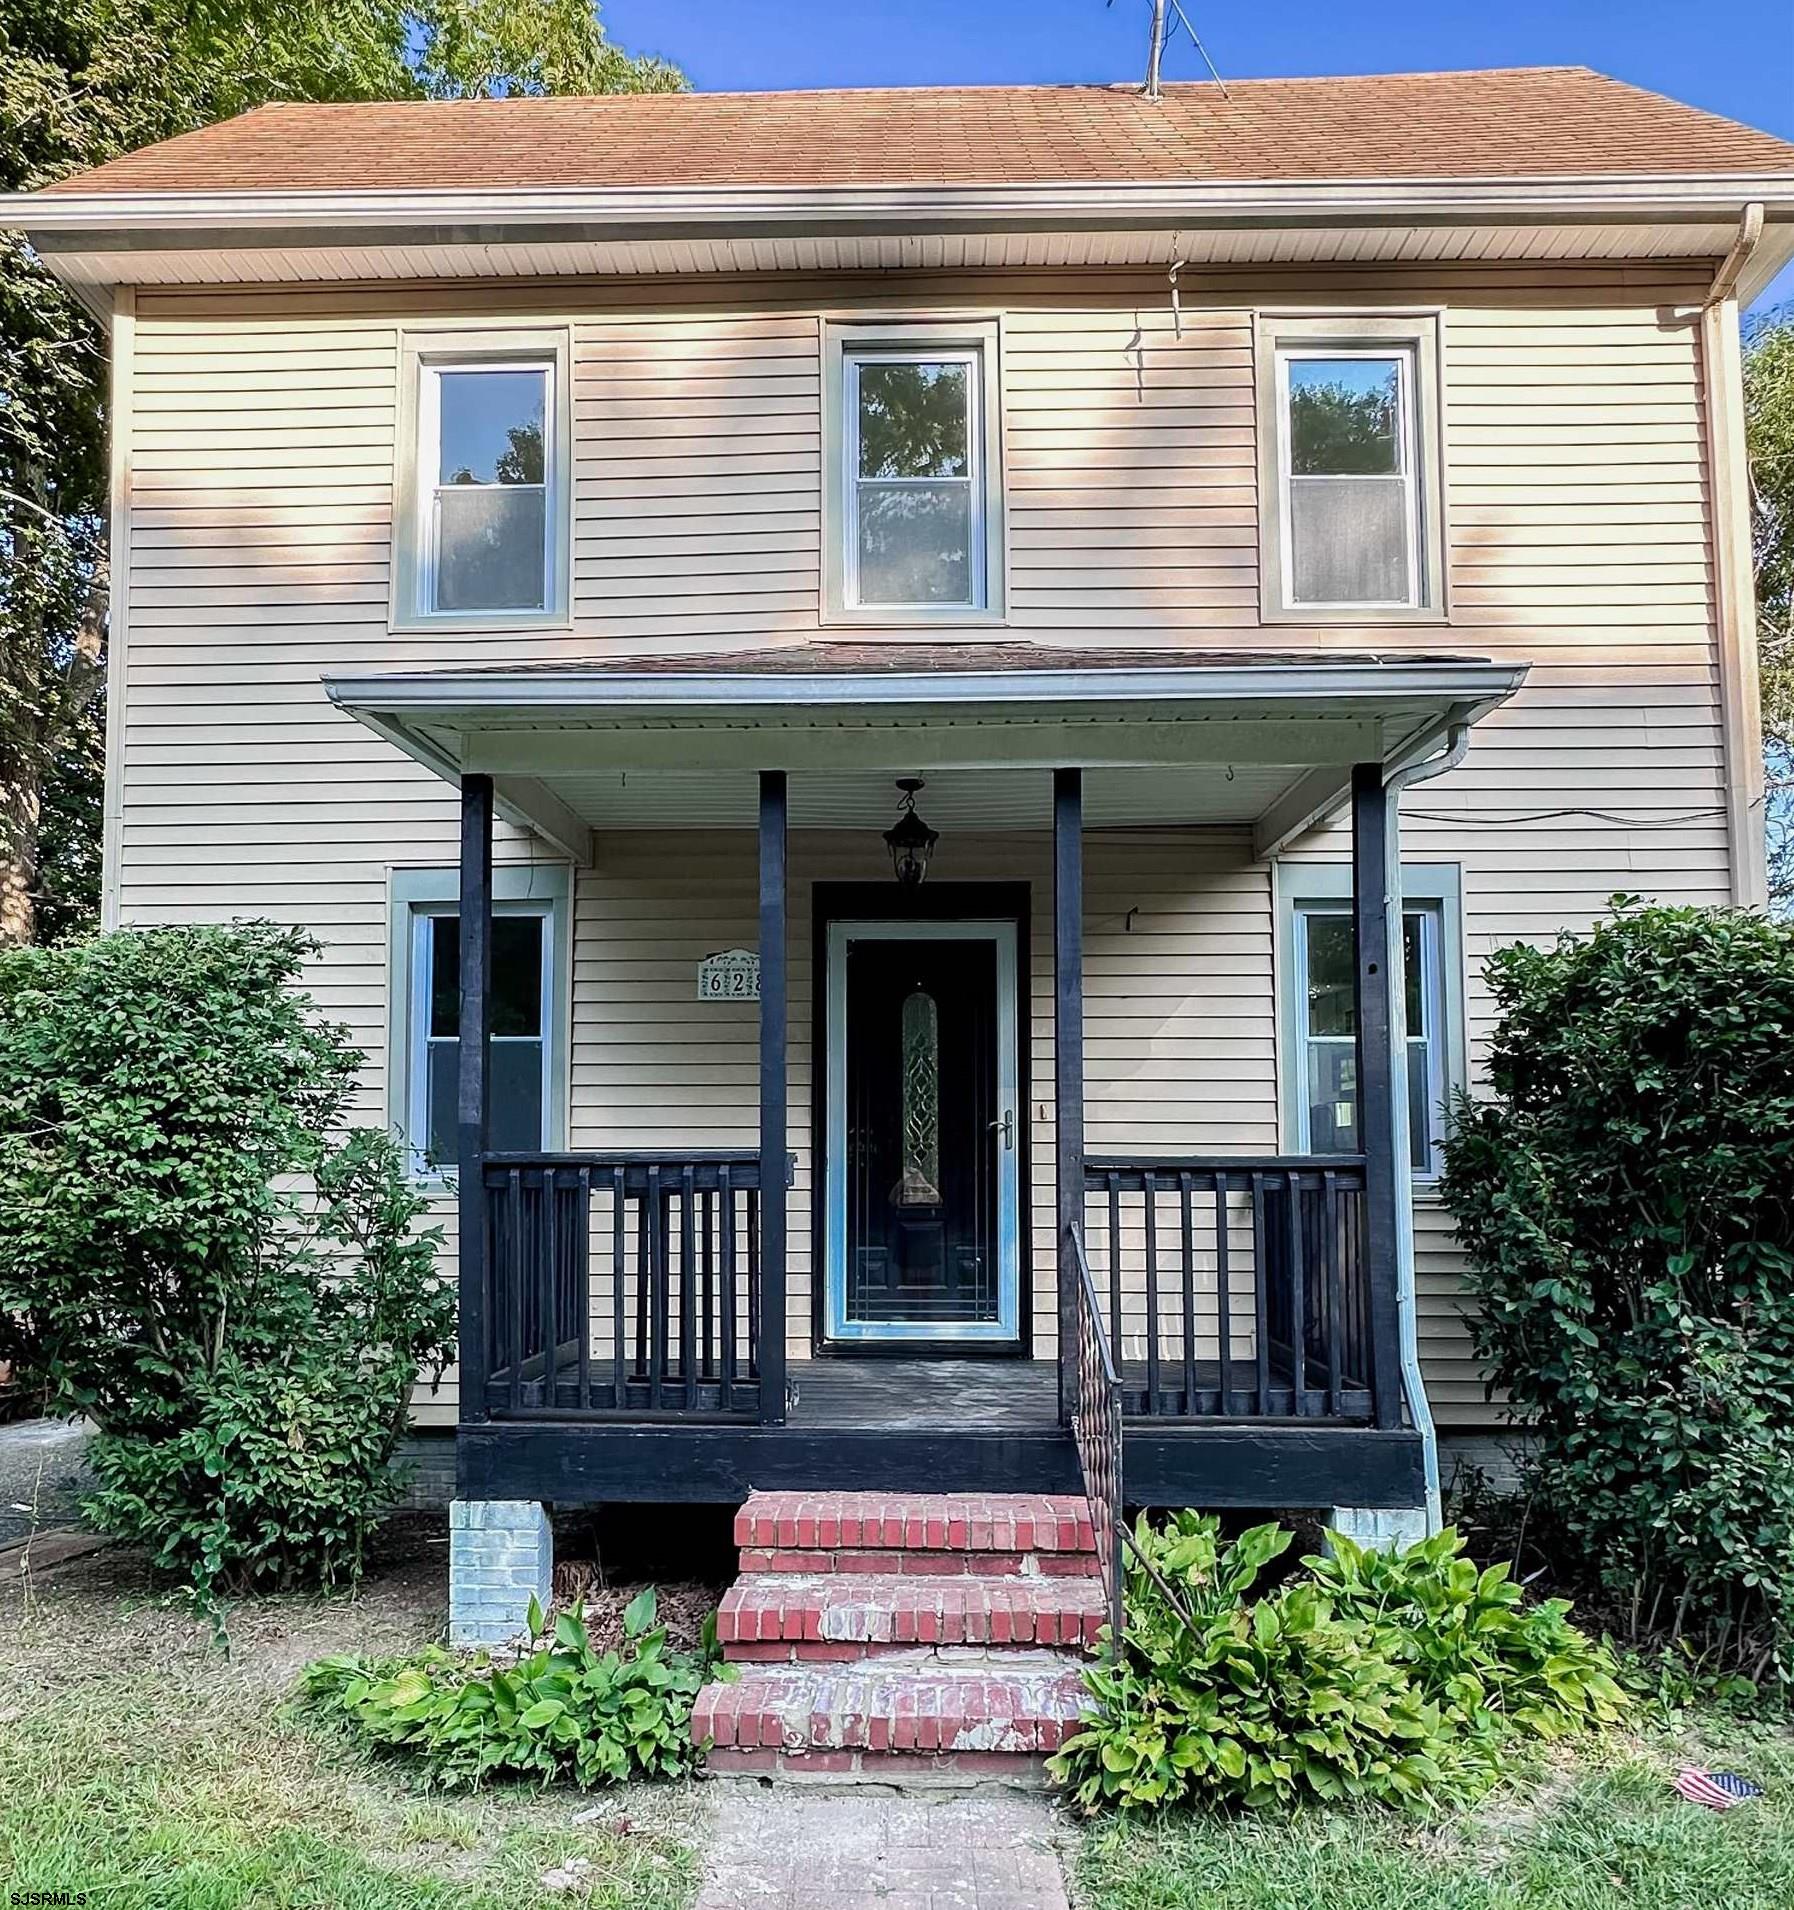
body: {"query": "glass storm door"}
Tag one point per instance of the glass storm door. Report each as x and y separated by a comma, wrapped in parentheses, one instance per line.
(923, 1132)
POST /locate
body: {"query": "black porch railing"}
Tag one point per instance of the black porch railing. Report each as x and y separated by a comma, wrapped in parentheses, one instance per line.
(623, 1284)
(1096, 1425)
(1233, 1287)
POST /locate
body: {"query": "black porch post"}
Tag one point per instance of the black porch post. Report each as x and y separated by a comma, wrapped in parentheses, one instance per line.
(471, 1093)
(773, 1097)
(1376, 923)
(1068, 1046)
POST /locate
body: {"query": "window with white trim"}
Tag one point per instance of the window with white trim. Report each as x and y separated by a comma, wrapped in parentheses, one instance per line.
(1351, 477)
(527, 1082)
(484, 484)
(1327, 1112)
(916, 498)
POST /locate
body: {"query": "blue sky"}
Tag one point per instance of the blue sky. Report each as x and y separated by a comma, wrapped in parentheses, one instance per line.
(1729, 56)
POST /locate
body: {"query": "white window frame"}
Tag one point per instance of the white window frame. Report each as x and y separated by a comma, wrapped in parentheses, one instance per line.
(1414, 340)
(977, 344)
(1434, 893)
(1406, 473)
(427, 358)
(418, 896)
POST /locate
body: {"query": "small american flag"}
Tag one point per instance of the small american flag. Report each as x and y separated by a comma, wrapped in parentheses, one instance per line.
(1718, 1790)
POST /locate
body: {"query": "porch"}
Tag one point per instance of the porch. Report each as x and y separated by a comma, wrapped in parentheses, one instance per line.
(1219, 1326)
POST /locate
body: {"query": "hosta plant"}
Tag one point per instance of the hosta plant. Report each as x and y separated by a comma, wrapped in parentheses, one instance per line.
(565, 1711)
(1387, 1678)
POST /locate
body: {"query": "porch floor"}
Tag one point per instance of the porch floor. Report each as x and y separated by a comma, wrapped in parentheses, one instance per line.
(906, 1395)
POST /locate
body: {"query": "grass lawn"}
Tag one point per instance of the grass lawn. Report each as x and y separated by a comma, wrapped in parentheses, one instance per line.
(144, 1767)
(1602, 1831)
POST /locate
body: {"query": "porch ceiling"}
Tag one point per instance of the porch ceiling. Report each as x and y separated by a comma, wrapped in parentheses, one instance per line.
(1164, 737)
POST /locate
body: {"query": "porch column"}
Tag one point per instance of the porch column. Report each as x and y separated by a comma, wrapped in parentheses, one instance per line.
(1068, 1047)
(471, 1092)
(1377, 937)
(773, 1097)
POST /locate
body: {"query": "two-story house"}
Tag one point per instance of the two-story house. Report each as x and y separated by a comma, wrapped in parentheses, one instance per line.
(905, 716)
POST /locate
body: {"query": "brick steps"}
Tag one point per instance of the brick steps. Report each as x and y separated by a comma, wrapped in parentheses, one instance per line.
(775, 1615)
(899, 1636)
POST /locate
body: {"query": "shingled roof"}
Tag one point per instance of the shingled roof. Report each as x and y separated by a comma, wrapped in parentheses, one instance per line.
(1529, 122)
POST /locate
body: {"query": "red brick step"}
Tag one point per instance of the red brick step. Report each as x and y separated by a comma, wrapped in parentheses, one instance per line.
(916, 1534)
(782, 1616)
(1015, 1706)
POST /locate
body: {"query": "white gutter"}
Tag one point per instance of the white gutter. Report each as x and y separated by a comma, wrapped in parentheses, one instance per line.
(143, 216)
(1407, 1309)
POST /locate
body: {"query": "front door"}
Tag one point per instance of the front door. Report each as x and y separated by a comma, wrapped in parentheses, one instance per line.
(923, 1132)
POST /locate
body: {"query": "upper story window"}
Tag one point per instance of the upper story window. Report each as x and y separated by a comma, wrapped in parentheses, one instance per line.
(1350, 496)
(915, 526)
(485, 489)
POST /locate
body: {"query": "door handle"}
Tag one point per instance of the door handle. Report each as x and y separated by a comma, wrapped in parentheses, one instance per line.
(1007, 1124)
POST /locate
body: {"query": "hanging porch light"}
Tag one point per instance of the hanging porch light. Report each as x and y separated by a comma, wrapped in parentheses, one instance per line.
(909, 839)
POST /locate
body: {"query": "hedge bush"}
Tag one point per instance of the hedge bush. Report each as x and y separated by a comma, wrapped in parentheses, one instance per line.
(198, 1255)
(1399, 1679)
(1626, 1193)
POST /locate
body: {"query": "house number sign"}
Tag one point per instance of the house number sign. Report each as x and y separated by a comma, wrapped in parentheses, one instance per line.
(734, 975)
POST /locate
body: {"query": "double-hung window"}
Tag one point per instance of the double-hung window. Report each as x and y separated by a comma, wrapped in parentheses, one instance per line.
(485, 487)
(915, 526)
(1351, 494)
(527, 959)
(1320, 1018)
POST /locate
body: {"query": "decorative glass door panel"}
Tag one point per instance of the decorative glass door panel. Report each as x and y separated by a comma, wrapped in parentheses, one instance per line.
(923, 1132)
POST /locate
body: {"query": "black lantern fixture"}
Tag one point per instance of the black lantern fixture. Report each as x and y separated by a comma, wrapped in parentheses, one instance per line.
(909, 839)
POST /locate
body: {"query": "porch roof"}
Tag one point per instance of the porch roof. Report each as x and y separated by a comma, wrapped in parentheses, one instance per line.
(1165, 736)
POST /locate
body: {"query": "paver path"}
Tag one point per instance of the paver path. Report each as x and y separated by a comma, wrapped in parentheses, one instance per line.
(779, 1848)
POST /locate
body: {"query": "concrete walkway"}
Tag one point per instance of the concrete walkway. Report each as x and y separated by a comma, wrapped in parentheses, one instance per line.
(780, 1848)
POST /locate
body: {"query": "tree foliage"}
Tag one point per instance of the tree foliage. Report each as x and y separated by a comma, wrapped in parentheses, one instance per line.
(1626, 1191)
(194, 1255)
(1769, 432)
(82, 81)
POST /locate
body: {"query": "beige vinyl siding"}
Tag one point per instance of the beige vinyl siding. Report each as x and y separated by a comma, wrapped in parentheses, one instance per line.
(261, 471)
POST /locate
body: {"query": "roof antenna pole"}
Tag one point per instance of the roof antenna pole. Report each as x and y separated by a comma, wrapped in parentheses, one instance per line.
(1156, 51)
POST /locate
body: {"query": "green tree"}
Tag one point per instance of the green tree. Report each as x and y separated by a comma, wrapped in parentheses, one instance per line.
(82, 81)
(1769, 430)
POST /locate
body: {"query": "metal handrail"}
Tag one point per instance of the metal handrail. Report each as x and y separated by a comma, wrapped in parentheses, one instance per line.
(1096, 1430)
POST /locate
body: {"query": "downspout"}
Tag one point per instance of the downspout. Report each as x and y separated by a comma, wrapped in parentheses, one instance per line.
(1457, 747)
(1735, 600)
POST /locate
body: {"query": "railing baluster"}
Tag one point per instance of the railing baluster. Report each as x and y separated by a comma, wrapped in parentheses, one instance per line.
(1187, 1224)
(550, 1322)
(582, 1298)
(1149, 1201)
(707, 1284)
(688, 1287)
(1298, 1298)
(726, 1257)
(619, 1298)
(753, 1281)
(514, 1279)
(644, 1286)
(657, 1249)
(1223, 1294)
(1261, 1293)
(1115, 1271)
(1330, 1289)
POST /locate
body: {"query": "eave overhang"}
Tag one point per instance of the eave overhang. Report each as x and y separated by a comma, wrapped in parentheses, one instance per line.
(1285, 735)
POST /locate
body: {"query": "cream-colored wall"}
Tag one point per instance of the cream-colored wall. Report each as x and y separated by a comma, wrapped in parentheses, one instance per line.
(259, 456)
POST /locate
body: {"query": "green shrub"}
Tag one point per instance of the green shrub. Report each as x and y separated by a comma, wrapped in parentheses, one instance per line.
(1626, 1191)
(196, 1254)
(1395, 1680)
(565, 1711)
